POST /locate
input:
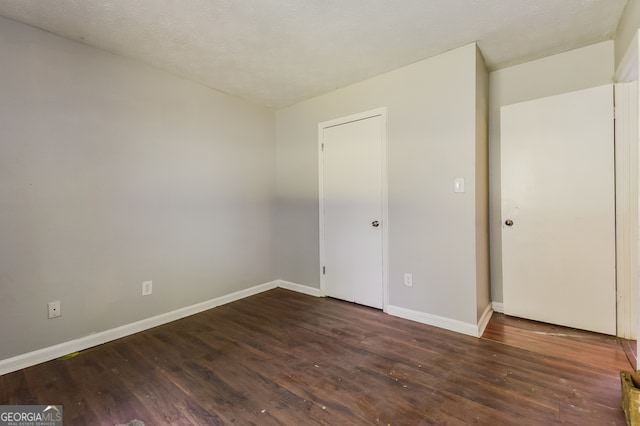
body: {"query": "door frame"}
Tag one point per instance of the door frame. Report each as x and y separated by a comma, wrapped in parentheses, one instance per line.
(627, 186)
(378, 112)
(626, 151)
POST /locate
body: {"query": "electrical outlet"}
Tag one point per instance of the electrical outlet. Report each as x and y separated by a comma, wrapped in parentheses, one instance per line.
(147, 288)
(54, 309)
(408, 279)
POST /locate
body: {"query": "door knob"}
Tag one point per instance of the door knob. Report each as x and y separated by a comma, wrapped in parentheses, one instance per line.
(375, 223)
(508, 222)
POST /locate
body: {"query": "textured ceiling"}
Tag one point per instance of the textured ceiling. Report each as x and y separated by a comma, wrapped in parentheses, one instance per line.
(279, 52)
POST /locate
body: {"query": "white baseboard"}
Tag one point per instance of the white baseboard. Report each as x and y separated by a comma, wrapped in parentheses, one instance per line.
(304, 289)
(498, 307)
(434, 320)
(47, 354)
(484, 319)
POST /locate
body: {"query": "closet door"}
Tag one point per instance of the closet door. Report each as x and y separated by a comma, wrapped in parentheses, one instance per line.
(352, 210)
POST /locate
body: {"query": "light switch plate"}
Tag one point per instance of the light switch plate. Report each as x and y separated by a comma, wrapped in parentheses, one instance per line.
(458, 185)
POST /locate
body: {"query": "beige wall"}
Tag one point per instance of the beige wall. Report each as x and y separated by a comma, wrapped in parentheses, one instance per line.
(113, 173)
(578, 69)
(482, 186)
(627, 29)
(431, 140)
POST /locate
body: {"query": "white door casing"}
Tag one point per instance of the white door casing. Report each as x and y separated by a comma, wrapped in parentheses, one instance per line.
(627, 184)
(626, 152)
(557, 159)
(353, 214)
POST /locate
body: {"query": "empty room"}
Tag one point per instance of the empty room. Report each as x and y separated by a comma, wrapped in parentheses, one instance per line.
(189, 192)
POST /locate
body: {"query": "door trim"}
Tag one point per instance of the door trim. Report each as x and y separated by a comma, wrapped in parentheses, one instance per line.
(626, 161)
(379, 112)
(626, 107)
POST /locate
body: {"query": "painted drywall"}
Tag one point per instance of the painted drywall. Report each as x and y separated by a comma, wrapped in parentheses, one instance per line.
(113, 173)
(482, 185)
(431, 140)
(627, 29)
(574, 70)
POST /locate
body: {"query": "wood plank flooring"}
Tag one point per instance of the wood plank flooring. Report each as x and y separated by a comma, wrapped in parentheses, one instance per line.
(630, 348)
(289, 359)
(583, 347)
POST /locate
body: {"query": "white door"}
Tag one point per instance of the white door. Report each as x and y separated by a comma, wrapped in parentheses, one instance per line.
(351, 191)
(558, 232)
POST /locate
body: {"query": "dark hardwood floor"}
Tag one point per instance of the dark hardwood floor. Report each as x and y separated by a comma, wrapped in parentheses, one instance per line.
(583, 347)
(285, 358)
